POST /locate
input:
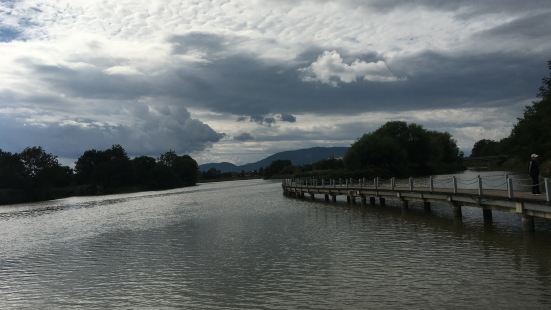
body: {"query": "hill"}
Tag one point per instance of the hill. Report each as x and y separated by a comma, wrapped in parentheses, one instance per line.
(297, 157)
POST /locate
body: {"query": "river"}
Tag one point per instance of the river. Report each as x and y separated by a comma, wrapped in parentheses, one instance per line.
(243, 245)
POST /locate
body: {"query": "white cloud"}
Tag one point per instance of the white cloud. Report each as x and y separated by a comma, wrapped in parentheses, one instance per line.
(330, 68)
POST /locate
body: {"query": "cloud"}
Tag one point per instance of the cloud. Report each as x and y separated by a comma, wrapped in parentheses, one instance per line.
(201, 43)
(442, 80)
(330, 69)
(472, 7)
(244, 137)
(155, 131)
(110, 70)
(288, 118)
(519, 32)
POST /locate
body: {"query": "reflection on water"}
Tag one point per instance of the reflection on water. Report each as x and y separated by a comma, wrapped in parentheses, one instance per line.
(243, 245)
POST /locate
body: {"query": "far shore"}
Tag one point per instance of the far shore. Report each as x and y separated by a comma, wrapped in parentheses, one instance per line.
(13, 196)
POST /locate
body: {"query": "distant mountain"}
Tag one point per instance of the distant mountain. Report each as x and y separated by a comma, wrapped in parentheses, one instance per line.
(297, 157)
(224, 167)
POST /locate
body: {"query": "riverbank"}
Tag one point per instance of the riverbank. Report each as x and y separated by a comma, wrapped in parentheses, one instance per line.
(15, 196)
(229, 179)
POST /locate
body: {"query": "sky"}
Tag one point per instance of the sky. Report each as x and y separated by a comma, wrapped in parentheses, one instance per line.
(238, 80)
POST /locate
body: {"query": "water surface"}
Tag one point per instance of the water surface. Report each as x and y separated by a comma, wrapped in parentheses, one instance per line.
(242, 245)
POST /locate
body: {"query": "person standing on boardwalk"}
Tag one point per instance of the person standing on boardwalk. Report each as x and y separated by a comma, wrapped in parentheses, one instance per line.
(534, 171)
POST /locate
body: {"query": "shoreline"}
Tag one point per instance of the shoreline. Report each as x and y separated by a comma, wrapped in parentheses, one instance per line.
(14, 197)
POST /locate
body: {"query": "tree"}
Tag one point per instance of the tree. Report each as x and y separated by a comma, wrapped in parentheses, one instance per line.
(532, 132)
(329, 164)
(375, 150)
(184, 167)
(43, 169)
(143, 170)
(12, 171)
(212, 173)
(399, 149)
(86, 165)
(278, 167)
(36, 160)
(110, 168)
(486, 147)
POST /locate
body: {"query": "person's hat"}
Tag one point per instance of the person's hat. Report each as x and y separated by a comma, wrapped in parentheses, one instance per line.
(534, 156)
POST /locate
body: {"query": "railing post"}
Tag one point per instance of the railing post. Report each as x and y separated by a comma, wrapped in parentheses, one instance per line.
(507, 180)
(363, 182)
(376, 182)
(479, 185)
(431, 184)
(547, 188)
(454, 181)
(510, 192)
(411, 184)
(393, 183)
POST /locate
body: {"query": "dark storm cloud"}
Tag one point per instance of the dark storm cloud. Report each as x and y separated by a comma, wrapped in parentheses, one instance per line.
(262, 120)
(244, 86)
(288, 118)
(152, 137)
(91, 81)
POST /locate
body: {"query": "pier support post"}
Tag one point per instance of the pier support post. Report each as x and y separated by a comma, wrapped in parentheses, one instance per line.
(547, 189)
(353, 199)
(327, 197)
(527, 223)
(487, 214)
(302, 195)
(426, 206)
(312, 196)
(405, 205)
(364, 200)
(334, 198)
(372, 201)
(457, 213)
(348, 199)
(382, 201)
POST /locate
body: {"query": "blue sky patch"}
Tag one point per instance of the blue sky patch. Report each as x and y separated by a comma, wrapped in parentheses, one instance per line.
(8, 34)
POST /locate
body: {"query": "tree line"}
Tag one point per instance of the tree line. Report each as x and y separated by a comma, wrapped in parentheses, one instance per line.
(34, 174)
(531, 133)
(395, 149)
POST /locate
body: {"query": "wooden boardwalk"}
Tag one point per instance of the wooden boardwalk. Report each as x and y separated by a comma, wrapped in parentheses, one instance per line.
(431, 190)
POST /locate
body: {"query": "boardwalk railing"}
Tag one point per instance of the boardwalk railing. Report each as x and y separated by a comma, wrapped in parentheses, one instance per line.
(511, 187)
(504, 192)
